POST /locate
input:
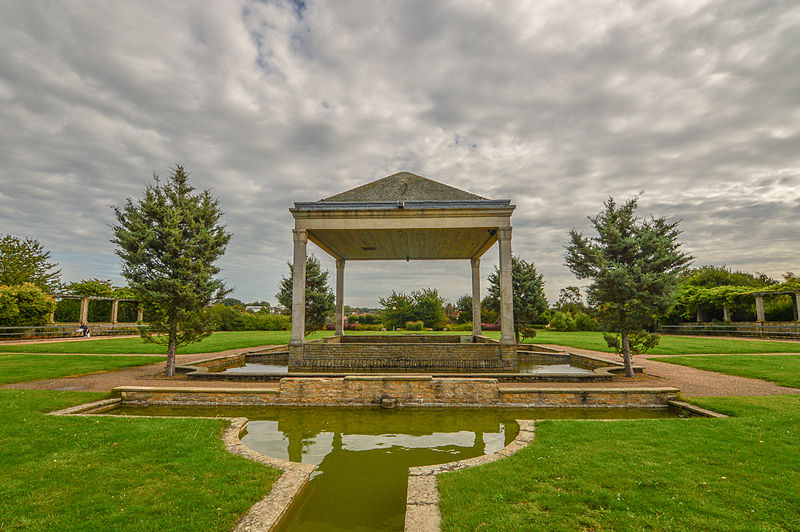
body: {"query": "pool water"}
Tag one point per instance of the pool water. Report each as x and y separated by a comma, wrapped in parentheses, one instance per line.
(528, 368)
(363, 454)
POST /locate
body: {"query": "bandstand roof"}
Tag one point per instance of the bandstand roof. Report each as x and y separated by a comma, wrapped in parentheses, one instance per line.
(403, 217)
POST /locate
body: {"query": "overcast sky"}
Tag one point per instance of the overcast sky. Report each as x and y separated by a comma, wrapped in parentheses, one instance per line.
(554, 105)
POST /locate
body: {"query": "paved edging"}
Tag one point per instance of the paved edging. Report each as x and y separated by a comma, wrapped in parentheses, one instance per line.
(422, 497)
(265, 514)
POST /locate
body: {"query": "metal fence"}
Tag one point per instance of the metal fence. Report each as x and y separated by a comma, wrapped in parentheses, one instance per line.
(71, 330)
(751, 330)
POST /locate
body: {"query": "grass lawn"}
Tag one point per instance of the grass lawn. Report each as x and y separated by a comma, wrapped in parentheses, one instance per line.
(222, 341)
(739, 473)
(669, 345)
(783, 369)
(73, 473)
(25, 368)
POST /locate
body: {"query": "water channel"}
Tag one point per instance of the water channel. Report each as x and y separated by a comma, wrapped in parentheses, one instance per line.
(363, 454)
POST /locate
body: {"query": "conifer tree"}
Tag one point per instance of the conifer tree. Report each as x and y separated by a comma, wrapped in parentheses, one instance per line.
(634, 266)
(168, 242)
(320, 301)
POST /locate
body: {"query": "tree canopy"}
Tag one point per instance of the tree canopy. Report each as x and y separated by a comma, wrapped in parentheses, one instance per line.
(529, 298)
(320, 301)
(169, 241)
(26, 261)
(23, 305)
(424, 305)
(634, 266)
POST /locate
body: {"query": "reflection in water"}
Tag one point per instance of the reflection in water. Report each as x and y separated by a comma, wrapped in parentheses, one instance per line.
(363, 454)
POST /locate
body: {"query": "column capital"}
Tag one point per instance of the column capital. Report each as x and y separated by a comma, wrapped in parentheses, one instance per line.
(300, 235)
(339, 264)
(476, 262)
(504, 233)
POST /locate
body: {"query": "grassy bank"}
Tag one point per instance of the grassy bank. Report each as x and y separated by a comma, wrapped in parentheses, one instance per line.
(783, 369)
(72, 473)
(25, 368)
(223, 341)
(678, 474)
(669, 345)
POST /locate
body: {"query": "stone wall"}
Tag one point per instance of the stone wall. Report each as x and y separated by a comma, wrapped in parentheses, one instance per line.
(396, 356)
(401, 391)
(403, 339)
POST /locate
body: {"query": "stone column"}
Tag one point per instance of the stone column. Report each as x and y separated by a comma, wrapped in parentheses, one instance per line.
(726, 314)
(139, 314)
(699, 314)
(796, 301)
(506, 288)
(299, 287)
(84, 317)
(114, 311)
(476, 297)
(339, 297)
(760, 308)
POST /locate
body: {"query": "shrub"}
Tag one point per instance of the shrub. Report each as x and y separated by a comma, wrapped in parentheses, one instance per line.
(23, 305)
(562, 321)
(414, 325)
(466, 326)
(369, 327)
(490, 326)
(584, 322)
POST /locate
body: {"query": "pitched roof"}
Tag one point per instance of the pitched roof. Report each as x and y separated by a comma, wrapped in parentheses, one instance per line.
(403, 186)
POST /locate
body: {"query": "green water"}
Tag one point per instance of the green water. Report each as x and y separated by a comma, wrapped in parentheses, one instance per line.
(363, 454)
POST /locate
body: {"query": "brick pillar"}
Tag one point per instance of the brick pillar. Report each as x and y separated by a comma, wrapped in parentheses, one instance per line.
(476, 297)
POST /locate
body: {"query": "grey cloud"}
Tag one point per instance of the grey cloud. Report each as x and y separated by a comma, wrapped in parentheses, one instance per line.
(555, 107)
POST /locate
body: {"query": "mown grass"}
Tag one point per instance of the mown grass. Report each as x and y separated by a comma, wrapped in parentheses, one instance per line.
(669, 474)
(25, 368)
(668, 345)
(223, 341)
(781, 369)
(91, 473)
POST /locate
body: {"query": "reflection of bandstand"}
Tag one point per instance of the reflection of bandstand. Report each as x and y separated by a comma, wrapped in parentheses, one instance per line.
(403, 217)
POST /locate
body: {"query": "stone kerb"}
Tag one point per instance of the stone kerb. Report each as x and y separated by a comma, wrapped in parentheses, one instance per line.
(422, 496)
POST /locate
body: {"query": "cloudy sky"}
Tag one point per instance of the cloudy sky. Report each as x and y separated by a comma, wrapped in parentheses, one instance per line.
(554, 105)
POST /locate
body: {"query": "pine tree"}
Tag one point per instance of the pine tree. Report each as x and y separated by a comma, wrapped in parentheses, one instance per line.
(320, 301)
(26, 261)
(529, 298)
(168, 242)
(634, 266)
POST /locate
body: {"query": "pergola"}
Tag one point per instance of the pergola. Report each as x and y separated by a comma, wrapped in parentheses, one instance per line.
(403, 217)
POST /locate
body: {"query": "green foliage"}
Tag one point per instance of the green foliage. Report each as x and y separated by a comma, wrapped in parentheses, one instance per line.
(414, 325)
(638, 342)
(421, 305)
(228, 318)
(364, 319)
(466, 326)
(529, 298)
(320, 301)
(570, 300)
(634, 267)
(24, 305)
(526, 332)
(562, 321)
(464, 308)
(231, 301)
(709, 276)
(26, 261)
(584, 322)
(168, 242)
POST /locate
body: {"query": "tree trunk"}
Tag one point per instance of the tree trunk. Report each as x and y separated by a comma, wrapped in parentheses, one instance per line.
(626, 354)
(173, 344)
